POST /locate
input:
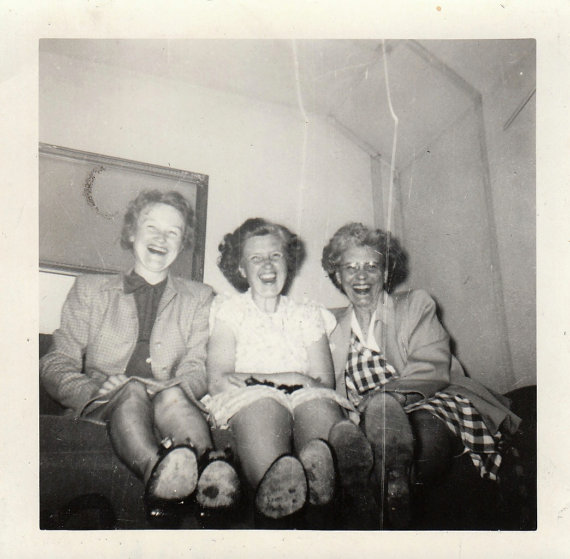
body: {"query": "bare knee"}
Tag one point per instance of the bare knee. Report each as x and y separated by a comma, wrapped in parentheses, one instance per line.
(168, 397)
(130, 406)
(387, 427)
(133, 392)
(265, 407)
(173, 410)
(314, 420)
(265, 415)
(381, 403)
(383, 411)
(319, 409)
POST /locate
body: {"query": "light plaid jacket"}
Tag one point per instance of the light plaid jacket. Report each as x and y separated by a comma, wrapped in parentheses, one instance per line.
(99, 329)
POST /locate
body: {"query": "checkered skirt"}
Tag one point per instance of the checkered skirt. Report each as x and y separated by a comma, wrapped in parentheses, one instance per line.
(367, 370)
(464, 421)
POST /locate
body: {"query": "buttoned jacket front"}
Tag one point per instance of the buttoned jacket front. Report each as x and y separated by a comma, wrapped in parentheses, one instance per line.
(99, 330)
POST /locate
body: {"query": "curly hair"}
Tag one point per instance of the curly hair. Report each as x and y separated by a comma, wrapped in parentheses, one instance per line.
(231, 250)
(395, 260)
(148, 198)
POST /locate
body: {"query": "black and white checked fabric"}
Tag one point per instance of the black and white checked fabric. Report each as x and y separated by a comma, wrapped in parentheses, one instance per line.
(464, 421)
(365, 370)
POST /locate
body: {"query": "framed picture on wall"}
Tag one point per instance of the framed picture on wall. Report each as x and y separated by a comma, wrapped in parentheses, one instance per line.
(82, 200)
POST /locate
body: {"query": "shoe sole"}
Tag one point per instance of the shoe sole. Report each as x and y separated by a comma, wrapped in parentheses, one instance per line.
(389, 431)
(353, 453)
(354, 461)
(388, 428)
(175, 477)
(218, 486)
(283, 489)
(318, 463)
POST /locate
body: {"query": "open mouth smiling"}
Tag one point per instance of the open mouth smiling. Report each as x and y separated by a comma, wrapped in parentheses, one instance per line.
(361, 289)
(153, 249)
(268, 278)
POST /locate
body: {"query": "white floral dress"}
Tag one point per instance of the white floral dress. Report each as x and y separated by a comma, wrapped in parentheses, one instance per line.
(268, 343)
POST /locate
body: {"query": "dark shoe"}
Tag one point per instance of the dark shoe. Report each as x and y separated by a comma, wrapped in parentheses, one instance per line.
(317, 460)
(283, 489)
(171, 485)
(354, 462)
(218, 488)
(389, 431)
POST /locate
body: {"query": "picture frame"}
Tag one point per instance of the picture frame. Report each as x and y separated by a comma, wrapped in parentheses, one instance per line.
(83, 197)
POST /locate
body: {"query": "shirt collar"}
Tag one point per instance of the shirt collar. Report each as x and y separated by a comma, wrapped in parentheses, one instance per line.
(134, 282)
(370, 341)
(117, 282)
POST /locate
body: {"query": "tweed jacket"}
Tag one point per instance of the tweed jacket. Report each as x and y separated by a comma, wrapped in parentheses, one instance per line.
(417, 346)
(99, 330)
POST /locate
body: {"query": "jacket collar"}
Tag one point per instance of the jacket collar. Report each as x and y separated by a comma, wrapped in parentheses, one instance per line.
(384, 311)
(116, 282)
(341, 334)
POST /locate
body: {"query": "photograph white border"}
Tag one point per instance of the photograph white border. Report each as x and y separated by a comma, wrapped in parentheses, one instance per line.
(23, 24)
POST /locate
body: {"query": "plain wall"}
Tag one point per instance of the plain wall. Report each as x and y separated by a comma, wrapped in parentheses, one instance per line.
(468, 206)
(512, 165)
(259, 161)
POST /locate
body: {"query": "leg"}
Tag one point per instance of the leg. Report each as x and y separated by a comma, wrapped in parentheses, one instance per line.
(177, 418)
(354, 460)
(387, 428)
(313, 422)
(169, 479)
(435, 446)
(263, 433)
(131, 429)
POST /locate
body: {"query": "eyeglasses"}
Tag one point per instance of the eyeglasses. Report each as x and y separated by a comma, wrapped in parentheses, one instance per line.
(353, 268)
(259, 259)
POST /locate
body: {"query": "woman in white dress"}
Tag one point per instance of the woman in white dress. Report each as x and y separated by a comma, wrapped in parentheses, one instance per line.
(271, 378)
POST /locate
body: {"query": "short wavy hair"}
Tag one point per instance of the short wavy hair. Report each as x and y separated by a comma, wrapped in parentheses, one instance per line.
(231, 250)
(149, 198)
(395, 260)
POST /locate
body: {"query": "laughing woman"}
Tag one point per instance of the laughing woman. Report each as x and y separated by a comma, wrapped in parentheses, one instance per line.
(130, 353)
(271, 376)
(392, 359)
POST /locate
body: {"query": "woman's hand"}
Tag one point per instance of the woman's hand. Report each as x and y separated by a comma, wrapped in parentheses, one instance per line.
(111, 383)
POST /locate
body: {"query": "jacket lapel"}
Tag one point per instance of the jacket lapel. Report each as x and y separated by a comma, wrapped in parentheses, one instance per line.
(340, 339)
(170, 292)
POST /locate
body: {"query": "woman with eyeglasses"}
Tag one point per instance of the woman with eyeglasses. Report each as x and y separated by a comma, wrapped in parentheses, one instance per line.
(271, 377)
(392, 360)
